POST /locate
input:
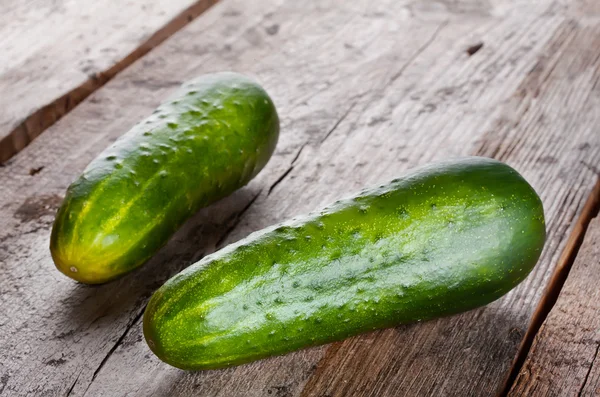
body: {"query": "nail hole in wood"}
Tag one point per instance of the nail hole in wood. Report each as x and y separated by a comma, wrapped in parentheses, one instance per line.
(472, 50)
(34, 171)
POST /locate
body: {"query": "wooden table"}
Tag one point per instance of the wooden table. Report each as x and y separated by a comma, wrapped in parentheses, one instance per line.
(365, 90)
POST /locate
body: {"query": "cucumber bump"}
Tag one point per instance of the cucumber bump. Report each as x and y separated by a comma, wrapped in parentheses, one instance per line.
(209, 139)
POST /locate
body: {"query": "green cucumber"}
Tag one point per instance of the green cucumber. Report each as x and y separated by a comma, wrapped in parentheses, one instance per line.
(441, 240)
(208, 140)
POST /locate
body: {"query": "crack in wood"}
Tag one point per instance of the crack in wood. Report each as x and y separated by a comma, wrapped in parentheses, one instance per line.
(338, 122)
(115, 346)
(298, 153)
(561, 272)
(280, 179)
(419, 51)
(587, 375)
(290, 168)
(73, 385)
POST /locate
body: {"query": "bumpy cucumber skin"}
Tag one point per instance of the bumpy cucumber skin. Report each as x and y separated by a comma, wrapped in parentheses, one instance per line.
(209, 139)
(441, 240)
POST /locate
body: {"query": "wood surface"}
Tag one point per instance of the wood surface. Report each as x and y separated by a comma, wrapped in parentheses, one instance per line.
(564, 360)
(365, 91)
(55, 53)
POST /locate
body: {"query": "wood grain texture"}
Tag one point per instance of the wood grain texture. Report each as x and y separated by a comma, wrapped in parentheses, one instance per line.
(53, 54)
(564, 358)
(365, 92)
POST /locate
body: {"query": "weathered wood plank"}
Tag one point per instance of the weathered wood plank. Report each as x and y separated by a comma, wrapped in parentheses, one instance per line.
(54, 54)
(365, 91)
(563, 360)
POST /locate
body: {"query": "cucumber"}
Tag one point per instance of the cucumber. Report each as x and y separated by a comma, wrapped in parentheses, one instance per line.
(441, 240)
(209, 139)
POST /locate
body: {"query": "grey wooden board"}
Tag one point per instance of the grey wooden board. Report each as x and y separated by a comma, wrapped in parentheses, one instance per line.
(365, 90)
(564, 360)
(54, 53)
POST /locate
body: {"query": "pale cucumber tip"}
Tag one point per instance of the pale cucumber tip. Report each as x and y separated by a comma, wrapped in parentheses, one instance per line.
(79, 268)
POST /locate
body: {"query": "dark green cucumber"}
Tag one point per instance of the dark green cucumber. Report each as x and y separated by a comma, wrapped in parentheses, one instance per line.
(209, 139)
(441, 240)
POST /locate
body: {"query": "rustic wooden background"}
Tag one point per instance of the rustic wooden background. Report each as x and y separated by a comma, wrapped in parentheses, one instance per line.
(365, 90)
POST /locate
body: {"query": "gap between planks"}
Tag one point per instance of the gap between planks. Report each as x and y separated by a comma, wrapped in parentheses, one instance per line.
(559, 276)
(39, 120)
